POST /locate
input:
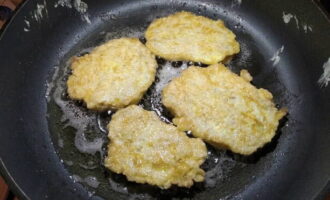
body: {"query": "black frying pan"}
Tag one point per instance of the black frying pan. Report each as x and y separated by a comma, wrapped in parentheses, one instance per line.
(35, 147)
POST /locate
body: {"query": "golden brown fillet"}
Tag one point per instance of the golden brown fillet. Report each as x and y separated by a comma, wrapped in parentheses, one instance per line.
(223, 108)
(147, 150)
(113, 75)
(186, 36)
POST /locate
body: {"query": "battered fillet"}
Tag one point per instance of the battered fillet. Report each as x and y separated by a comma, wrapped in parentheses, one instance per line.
(148, 150)
(223, 108)
(185, 36)
(113, 75)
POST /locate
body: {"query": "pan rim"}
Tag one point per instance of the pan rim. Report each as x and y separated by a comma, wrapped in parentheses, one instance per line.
(9, 179)
(4, 172)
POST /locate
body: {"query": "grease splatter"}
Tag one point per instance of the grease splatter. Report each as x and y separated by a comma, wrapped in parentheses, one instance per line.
(287, 17)
(80, 6)
(307, 28)
(325, 77)
(40, 12)
(276, 57)
(300, 25)
(27, 27)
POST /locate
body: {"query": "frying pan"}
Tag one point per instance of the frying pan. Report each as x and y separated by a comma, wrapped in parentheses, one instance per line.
(284, 44)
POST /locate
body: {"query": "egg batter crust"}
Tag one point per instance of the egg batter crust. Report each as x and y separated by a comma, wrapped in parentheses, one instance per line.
(113, 75)
(185, 36)
(223, 108)
(147, 150)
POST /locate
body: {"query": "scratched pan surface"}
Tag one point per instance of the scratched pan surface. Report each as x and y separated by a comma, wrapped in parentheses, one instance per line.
(45, 154)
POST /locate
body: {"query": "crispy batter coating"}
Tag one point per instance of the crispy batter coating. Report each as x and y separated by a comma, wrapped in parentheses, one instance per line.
(223, 108)
(185, 36)
(147, 150)
(113, 75)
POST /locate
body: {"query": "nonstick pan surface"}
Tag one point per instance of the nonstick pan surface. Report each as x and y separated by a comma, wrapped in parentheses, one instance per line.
(284, 53)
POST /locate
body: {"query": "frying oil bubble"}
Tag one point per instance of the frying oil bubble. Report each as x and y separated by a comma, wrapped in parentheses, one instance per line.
(102, 120)
(89, 180)
(216, 166)
(117, 187)
(221, 164)
(75, 117)
(85, 146)
(167, 73)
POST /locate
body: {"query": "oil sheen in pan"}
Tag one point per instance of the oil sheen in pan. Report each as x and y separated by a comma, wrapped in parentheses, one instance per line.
(80, 136)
